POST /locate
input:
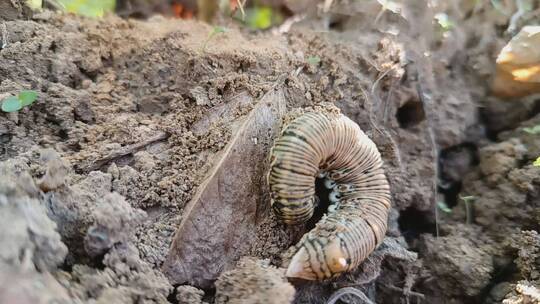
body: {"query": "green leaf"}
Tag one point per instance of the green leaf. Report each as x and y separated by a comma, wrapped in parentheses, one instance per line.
(27, 97)
(537, 162)
(444, 21)
(34, 4)
(533, 130)
(444, 207)
(469, 198)
(262, 17)
(313, 60)
(11, 104)
(89, 8)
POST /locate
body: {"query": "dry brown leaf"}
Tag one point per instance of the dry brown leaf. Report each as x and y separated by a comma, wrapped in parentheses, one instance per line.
(219, 222)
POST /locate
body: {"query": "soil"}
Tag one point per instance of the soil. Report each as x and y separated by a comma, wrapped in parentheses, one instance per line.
(133, 116)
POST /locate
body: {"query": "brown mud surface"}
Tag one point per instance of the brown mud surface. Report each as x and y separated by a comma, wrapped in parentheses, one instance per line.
(131, 117)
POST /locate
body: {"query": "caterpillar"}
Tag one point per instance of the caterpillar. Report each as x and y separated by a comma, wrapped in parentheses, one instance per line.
(315, 145)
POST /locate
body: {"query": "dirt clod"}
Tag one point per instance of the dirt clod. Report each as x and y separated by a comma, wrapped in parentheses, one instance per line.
(19, 286)
(528, 259)
(186, 294)
(32, 237)
(254, 281)
(469, 266)
(114, 224)
(57, 171)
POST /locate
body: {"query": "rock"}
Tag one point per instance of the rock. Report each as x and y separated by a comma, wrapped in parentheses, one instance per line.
(254, 281)
(56, 173)
(219, 223)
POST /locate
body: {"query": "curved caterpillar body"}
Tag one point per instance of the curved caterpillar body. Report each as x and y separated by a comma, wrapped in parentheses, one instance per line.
(314, 145)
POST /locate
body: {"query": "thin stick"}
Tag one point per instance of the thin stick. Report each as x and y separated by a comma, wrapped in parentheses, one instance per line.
(5, 36)
(241, 6)
(125, 151)
(434, 149)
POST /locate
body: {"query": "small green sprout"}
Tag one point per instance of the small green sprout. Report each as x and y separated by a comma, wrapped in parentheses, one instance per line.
(444, 21)
(468, 200)
(536, 163)
(15, 103)
(444, 207)
(533, 130)
(313, 60)
(215, 31)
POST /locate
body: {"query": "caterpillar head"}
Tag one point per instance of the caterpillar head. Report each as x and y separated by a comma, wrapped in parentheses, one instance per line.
(314, 261)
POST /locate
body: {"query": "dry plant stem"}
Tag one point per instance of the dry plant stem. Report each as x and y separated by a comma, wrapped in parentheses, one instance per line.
(348, 291)
(5, 36)
(396, 155)
(407, 292)
(468, 211)
(425, 99)
(125, 151)
(241, 4)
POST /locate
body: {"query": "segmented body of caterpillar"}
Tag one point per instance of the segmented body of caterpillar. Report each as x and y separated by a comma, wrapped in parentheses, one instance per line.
(315, 145)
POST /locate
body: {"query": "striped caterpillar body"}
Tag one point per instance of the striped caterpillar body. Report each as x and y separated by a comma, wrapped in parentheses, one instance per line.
(335, 148)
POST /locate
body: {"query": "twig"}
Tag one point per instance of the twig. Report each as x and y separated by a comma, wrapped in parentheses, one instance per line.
(407, 292)
(371, 113)
(425, 99)
(522, 10)
(469, 211)
(285, 27)
(5, 36)
(241, 4)
(348, 291)
(376, 83)
(98, 164)
(327, 5)
(61, 7)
